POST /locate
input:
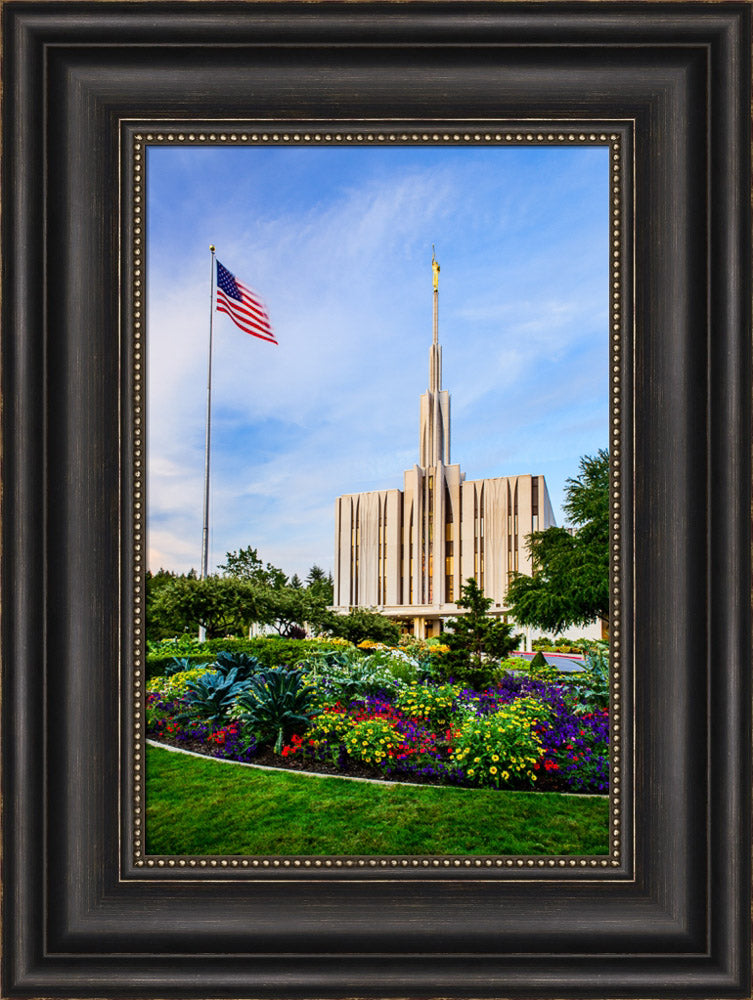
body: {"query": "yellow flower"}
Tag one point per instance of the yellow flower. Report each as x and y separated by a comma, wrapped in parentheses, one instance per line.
(476, 760)
(495, 757)
(492, 770)
(470, 771)
(506, 775)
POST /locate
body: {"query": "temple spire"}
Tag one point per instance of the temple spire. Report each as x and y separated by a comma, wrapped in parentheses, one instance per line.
(435, 352)
(435, 403)
(435, 271)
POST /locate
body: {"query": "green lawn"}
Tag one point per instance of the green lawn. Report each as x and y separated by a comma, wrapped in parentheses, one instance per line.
(197, 806)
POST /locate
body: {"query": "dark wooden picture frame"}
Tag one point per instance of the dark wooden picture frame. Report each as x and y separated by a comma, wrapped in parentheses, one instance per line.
(79, 918)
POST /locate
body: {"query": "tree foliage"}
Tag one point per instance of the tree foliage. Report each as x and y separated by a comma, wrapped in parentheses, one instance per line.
(290, 608)
(570, 580)
(476, 637)
(221, 605)
(360, 624)
(321, 584)
(245, 564)
(159, 626)
(247, 591)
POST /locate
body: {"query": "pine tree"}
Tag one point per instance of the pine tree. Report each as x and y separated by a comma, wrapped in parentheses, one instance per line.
(476, 639)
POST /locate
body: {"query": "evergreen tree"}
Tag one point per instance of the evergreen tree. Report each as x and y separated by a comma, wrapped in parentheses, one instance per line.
(476, 639)
(321, 584)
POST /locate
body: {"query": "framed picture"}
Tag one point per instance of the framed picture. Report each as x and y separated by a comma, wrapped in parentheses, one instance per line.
(92, 92)
(350, 573)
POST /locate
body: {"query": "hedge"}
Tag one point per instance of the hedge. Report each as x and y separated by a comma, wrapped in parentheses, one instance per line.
(272, 651)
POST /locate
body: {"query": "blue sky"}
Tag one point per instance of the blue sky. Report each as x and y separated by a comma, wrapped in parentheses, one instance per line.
(338, 243)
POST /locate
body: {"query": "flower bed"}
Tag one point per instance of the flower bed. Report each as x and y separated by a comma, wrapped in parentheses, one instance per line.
(349, 713)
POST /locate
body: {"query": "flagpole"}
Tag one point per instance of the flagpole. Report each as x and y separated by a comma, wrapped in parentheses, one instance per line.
(205, 531)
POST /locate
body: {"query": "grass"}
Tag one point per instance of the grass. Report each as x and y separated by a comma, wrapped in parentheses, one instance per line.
(197, 806)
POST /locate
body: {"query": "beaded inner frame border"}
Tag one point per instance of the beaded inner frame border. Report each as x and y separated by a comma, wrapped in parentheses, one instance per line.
(132, 241)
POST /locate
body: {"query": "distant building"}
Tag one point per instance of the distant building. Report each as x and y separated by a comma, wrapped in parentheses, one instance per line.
(407, 552)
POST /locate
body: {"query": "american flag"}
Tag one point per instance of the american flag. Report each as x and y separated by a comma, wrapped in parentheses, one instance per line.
(243, 306)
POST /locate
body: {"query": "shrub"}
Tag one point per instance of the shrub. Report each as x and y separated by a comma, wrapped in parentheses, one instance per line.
(158, 663)
(433, 703)
(175, 686)
(329, 727)
(560, 644)
(338, 660)
(591, 687)
(361, 624)
(177, 665)
(275, 704)
(271, 651)
(244, 665)
(175, 646)
(348, 674)
(515, 664)
(501, 748)
(373, 741)
(210, 696)
(402, 670)
(394, 661)
(539, 670)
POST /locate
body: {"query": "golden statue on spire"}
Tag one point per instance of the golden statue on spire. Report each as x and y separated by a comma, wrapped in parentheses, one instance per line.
(435, 268)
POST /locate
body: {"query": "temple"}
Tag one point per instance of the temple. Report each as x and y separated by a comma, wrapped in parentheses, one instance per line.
(407, 552)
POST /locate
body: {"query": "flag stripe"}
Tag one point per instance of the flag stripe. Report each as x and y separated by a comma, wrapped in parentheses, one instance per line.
(247, 308)
(249, 293)
(254, 331)
(247, 324)
(243, 306)
(240, 316)
(241, 310)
